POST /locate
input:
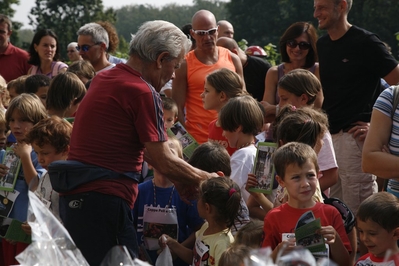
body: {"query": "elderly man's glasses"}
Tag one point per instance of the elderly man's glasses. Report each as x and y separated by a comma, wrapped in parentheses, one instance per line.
(205, 32)
(302, 45)
(86, 47)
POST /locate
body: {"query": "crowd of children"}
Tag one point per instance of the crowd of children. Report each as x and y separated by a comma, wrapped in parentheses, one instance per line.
(228, 220)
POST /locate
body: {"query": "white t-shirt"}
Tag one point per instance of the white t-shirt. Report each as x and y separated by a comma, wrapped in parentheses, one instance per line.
(242, 163)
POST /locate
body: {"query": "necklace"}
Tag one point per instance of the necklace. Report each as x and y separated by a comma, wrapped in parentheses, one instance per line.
(155, 195)
(5, 200)
(246, 144)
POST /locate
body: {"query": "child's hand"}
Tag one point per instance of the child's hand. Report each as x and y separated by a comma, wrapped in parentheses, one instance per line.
(251, 182)
(329, 234)
(165, 240)
(283, 247)
(3, 170)
(26, 228)
(22, 149)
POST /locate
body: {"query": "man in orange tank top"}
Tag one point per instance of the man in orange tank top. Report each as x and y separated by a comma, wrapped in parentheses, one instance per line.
(190, 78)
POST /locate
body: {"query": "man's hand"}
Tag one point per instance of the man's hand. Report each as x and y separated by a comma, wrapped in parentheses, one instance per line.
(359, 131)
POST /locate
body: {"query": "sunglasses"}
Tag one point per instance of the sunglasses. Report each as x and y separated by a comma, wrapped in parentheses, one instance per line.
(302, 45)
(86, 47)
(205, 32)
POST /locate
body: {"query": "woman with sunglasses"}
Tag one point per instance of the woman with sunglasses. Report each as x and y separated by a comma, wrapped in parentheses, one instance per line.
(44, 54)
(298, 50)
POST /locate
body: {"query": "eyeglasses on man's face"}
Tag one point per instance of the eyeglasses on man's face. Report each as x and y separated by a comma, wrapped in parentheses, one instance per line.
(302, 45)
(206, 32)
(85, 47)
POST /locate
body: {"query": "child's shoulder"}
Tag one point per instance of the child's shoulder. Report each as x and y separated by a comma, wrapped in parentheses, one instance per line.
(369, 259)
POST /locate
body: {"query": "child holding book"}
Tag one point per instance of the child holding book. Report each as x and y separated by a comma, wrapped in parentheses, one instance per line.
(220, 86)
(297, 169)
(219, 205)
(23, 113)
(160, 193)
(241, 120)
(377, 221)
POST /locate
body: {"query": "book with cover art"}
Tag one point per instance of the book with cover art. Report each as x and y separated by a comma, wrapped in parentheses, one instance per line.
(306, 236)
(187, 141)
(264, 168)
(11, 229)
(13, 163)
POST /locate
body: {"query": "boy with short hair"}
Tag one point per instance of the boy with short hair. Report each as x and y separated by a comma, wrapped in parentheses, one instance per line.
(38, 84)
(378, 226)
(50, 140)
(297, 169)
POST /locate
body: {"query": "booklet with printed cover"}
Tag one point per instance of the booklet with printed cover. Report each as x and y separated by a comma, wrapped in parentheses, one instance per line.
(264, 167)
(187, 141)
(306, 236)
(11, 229)
(13, 163)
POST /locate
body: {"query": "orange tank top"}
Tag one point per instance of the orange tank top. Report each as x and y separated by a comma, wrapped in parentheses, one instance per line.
(197, 118)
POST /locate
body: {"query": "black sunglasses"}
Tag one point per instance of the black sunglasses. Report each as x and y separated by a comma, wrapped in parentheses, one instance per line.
(302, 45)
(86, 47)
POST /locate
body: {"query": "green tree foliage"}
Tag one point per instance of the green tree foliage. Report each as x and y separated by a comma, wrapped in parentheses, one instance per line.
(65, 17)
(129, 18)
(6, 9)
(262, 22)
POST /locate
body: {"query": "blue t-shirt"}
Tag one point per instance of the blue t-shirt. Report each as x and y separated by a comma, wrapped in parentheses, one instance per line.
(187, 215)
(20, 209)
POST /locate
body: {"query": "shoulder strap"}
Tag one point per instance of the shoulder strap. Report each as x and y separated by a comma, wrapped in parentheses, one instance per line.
(395, 102)
(56, 68)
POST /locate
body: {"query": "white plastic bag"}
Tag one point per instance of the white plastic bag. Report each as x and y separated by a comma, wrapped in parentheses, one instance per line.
(51, 242)
(165, 258)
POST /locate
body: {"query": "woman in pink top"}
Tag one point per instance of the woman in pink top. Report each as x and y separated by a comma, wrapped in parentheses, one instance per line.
(44, 54)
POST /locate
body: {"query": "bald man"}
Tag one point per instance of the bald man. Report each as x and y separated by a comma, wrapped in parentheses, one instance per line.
(254, 68)
(225, 29)
(190, 77)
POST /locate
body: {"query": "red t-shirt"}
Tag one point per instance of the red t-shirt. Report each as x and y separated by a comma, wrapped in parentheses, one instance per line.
(370, 260)
(216, 135)
(119, 113)
(13, 63)
(283, 219)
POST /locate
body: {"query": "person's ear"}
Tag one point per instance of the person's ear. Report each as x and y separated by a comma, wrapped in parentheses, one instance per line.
(161, 57)
(220, 173)
(280, 181)
(66, 151)
(304, 99)
(396, 233)
(208, 207)
(222, 96)
(239, 129)
(280, 143)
